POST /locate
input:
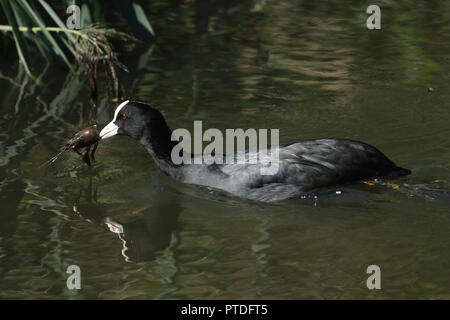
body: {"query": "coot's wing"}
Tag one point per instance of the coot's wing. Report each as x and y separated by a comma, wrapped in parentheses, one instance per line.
(331, 161)
(310, 164)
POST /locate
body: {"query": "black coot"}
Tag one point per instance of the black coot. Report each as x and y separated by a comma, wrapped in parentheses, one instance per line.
(303, 166)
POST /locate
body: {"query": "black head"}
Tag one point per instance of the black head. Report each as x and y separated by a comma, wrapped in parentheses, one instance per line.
(137, 120)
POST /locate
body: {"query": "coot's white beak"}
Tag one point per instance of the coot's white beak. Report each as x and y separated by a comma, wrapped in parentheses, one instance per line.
(109, 131)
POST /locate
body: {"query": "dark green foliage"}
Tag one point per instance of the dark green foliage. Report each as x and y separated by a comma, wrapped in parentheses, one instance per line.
(40, 23)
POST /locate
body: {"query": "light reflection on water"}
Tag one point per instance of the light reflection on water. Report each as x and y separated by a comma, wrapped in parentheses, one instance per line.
(310, 71)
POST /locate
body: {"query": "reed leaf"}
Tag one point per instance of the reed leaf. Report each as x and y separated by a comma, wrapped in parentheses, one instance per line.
(34, 15)
(28, 21)
(55, 18)
(136, 19)
(18, 37)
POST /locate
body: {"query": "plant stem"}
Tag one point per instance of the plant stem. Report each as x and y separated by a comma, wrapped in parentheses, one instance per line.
(7, 28)
(81, 33)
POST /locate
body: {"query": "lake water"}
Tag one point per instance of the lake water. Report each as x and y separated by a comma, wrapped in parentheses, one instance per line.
(310, 70)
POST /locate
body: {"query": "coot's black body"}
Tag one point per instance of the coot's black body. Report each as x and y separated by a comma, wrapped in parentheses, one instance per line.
(303, 166)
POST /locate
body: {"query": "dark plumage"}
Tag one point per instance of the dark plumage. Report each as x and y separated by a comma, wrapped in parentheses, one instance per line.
(303, 166)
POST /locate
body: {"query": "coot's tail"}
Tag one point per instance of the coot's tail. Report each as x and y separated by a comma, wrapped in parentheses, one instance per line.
(395, 172)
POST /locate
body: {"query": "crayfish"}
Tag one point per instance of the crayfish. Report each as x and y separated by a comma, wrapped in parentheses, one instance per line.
(84, 139)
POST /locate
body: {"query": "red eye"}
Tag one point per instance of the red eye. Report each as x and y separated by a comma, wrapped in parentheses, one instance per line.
(124, 116)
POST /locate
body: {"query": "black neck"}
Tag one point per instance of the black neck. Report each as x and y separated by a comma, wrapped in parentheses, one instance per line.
(157, 140)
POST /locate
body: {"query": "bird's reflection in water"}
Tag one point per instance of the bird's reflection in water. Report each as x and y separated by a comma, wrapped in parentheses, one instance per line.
(143, 237)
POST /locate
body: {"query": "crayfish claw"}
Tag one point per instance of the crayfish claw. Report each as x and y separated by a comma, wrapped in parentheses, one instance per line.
(85, 158)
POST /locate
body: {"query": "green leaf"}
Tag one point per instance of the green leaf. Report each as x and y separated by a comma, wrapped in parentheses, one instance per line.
(39, 21)
(97, 11)
(18, 37)
(23, 20)
(86, 17)
(136, 19)
(56, 18)
(142, 18)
